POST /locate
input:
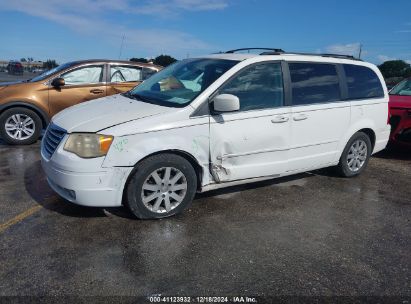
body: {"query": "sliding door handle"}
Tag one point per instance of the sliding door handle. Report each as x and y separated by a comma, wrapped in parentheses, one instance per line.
(300, 117)
(279, 119)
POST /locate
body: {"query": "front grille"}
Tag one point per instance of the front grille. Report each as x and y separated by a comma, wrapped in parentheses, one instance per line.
(51, 140)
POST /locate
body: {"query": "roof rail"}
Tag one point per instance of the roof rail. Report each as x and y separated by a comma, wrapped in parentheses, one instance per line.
(248, 49)
(273, 51)
(313, 54)
(325, 55)
(341, 56)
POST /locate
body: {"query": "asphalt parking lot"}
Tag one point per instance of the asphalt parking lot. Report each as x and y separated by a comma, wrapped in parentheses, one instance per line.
(5, 77)
(310, 234)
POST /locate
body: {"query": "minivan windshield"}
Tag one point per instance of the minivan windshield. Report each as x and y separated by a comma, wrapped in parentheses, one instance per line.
(48, 73)
(403, 88)
(180, 83)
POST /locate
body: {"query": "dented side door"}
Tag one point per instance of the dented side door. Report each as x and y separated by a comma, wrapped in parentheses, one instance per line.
(249, 145)
(253, 141)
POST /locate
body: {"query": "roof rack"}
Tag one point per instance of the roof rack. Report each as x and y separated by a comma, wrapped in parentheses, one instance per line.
(325, 55)
(257, 48)
(313, 54)
(273, 51)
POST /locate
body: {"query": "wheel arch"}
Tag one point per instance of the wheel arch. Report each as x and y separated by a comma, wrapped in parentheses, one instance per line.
(19, 104)
(189, 157)
(371, 134)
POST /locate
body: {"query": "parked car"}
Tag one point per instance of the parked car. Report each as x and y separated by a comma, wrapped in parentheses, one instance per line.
(27, 106)
(216, 121)
(37, 70)
(400, 113)
(15, 68)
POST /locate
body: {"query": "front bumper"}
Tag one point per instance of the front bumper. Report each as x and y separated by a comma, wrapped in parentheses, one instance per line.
(92, 185)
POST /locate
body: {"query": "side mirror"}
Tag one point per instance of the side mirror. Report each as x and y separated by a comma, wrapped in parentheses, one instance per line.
(58, 82)
(226, 103)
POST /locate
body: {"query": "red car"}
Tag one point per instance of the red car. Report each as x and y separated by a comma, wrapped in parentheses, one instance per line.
(400, 113)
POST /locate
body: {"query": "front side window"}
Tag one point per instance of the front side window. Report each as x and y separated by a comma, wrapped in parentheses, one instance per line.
(124, 73)
(314, 83)
(362, 82)
(180, 83)
(403, 88)
(258, 87)
(84, 75)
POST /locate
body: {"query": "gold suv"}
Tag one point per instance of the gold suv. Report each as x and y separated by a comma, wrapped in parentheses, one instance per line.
(26, 107)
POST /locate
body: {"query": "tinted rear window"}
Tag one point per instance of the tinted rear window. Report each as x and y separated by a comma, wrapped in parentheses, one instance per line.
(362, 82)
(314, 83)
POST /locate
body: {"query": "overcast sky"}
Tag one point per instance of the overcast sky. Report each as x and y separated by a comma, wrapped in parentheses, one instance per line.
(81, 29)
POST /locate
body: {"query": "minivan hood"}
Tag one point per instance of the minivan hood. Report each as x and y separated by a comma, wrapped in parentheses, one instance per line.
(99, 114)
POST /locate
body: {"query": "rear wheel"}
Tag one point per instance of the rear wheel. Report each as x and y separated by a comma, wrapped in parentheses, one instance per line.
(355, 156)
(20, 126)
(161, 186)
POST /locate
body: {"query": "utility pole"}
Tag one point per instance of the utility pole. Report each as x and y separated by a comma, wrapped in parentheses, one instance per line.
(121, 46)
(359, 52)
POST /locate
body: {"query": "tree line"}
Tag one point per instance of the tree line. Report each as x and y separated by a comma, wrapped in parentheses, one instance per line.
(394, 71)
(395, 68)
(163, 60)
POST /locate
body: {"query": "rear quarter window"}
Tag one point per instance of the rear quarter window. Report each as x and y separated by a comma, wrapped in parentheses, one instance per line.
(362, 82)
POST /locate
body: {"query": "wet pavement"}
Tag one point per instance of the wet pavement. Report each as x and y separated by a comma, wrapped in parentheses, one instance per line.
(310, 234)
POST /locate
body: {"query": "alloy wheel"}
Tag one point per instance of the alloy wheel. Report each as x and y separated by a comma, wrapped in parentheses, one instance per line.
(20, 126)
(357, 155)
(164, 189)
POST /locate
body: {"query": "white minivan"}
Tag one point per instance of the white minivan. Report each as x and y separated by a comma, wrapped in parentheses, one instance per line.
(216, 121)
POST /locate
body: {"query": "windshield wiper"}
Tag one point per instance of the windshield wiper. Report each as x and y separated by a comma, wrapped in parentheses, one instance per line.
(127, 94)
(133, 96)
(138, 97)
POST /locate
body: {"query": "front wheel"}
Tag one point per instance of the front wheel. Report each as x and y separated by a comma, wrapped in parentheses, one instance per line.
(161, 186)
(20, 126)
(355, 156)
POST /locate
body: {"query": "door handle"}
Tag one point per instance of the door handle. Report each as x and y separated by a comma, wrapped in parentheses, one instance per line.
(96, 91)
(279, 119)
(300, 117)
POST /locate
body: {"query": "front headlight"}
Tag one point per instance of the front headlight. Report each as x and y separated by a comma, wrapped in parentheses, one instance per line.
(88, 145)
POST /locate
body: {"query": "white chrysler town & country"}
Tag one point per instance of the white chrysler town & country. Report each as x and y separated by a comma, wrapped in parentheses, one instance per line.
(216, 121)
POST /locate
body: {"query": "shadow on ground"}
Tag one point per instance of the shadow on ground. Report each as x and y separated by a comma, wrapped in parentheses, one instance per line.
(395, 152)
(254, 185)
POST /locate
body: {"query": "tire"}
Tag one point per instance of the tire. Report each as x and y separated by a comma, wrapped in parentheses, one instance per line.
(147, 197)
(355, 157)
(14, 117)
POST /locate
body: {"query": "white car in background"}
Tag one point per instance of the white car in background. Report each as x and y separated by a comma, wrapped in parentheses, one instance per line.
(231, 119)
